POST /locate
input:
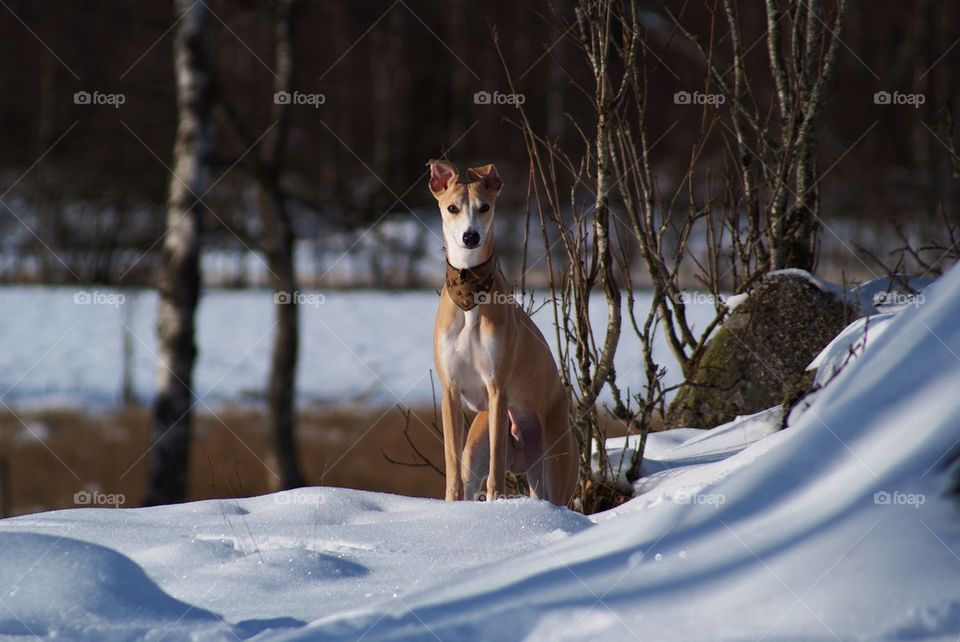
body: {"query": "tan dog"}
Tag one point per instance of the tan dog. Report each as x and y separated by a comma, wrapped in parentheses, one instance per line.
(490, 356)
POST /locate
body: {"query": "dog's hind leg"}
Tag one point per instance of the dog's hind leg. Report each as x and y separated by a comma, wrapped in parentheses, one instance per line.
(560, 457)
(528, 451)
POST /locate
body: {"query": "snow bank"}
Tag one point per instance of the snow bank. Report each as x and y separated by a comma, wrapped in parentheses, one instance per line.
(840, 527)
(674, 452)
(62, 587)
(848, 345)
(265, 563)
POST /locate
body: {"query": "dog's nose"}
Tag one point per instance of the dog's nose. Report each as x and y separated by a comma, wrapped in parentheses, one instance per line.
(471, 238)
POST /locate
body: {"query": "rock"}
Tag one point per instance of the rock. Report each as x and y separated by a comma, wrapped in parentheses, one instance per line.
(757, 358)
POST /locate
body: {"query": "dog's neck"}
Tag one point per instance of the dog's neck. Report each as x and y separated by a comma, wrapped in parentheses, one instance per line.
(461, 258)
(467, 286)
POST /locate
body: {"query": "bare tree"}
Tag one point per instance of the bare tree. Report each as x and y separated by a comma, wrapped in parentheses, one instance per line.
(278, 245)
(764, 217)
(179, 278)
(586, 361)
(801, 68)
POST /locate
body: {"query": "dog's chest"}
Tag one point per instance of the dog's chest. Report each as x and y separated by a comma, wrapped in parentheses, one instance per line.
(469, 356)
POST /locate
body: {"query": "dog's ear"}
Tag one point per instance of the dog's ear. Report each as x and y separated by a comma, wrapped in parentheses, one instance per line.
(442, 176)
(487, 174)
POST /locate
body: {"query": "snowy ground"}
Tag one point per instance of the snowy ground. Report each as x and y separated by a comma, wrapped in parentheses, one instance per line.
(371, 347)
(841, 527)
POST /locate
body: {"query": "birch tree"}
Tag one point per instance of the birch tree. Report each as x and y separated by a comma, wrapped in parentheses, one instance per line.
(179, 277)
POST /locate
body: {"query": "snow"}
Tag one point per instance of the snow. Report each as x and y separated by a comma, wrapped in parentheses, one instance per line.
(55, 351)
(735, 300)
(675, 452)
(822, 285)
(367, 347)
(881, 294)
(848, 345)
(275, 561)
(83, 590)
(886, 294)
(842, 526)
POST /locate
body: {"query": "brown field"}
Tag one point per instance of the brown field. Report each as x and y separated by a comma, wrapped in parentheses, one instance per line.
(49, 456)
(46, 457)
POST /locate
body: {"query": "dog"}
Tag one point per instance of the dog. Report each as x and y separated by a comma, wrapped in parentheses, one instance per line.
(492, 358)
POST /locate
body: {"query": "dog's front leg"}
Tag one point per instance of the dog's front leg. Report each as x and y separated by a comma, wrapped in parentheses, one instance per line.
(452, 416)
(499, 430)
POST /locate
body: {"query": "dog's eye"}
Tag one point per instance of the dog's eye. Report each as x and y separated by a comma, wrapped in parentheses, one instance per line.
(484, 208)
(453, 209)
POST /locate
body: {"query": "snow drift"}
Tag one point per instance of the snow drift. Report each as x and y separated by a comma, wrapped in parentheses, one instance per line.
(844, 526)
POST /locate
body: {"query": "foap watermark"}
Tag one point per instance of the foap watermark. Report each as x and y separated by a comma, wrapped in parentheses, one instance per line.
(898, 299)
(708, 499)
(698, 98)
(84, 297)
(97, 498)
(297, 498)
(98, 98)
(899, 98)
(482, 496)
(496, 98)
(700, 298)
(896, 498)
(314, 299)
(501, 298)
(298, 98)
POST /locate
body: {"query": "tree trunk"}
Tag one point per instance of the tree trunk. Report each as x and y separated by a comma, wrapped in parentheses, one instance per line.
(278, 246)
(127, 392)
(795, 229)
(179, 279)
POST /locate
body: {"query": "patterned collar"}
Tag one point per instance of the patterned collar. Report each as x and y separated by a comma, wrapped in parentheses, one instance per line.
(467, 286)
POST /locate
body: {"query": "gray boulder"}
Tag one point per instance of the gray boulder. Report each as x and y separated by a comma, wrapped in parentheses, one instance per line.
(758, 358)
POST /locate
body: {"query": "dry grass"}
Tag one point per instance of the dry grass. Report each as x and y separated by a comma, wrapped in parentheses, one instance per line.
(51, 455)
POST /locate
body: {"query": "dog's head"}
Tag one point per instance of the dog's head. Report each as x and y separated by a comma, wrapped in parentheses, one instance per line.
(467, 210)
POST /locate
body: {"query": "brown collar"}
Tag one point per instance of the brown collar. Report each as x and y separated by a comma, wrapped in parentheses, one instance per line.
(468, 286)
